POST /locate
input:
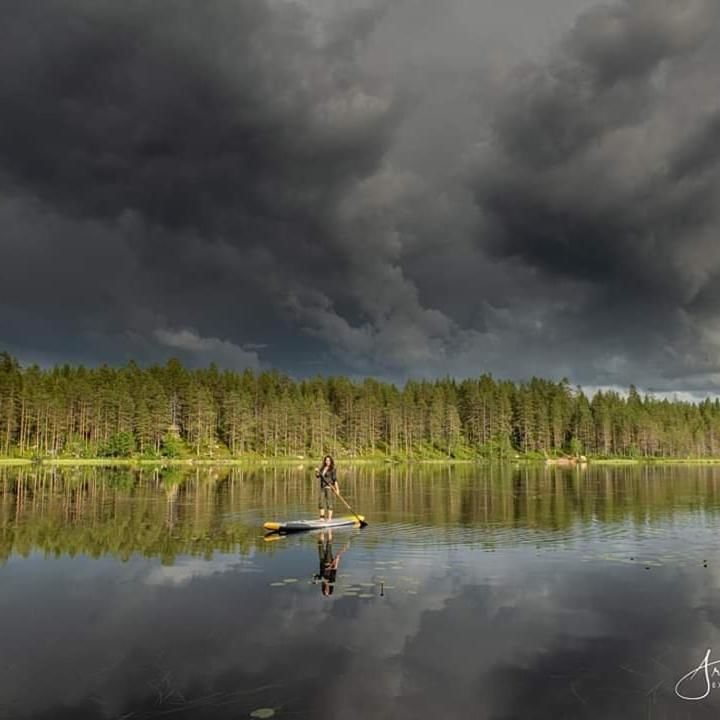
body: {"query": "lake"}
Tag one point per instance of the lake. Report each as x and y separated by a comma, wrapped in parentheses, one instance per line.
(474, 592)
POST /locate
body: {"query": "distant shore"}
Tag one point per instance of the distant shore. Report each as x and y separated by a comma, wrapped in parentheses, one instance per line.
(256, 461)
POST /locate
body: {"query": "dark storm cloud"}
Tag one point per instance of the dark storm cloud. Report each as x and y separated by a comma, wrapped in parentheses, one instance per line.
(189, 113)
(209, 143)
(376, 187)
(699, 152)
(618, 42)
(602, 169)
(557, 182)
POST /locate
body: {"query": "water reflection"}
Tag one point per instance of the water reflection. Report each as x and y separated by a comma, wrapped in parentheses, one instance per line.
(329, 562)
(169, 513)
(485, 593)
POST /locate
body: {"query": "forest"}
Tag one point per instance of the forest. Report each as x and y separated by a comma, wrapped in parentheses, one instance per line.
(169, 411)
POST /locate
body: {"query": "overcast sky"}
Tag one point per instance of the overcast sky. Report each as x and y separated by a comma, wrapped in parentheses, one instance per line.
(392, 188)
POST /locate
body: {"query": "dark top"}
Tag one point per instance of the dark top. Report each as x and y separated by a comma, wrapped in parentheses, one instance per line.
(328, 563)
(330, 477)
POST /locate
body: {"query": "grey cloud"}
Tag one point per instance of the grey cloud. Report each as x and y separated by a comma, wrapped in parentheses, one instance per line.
(377, 186)
(208, 349)
(593, 175)
(213, 140)
(699, 152)
(629, 39)
(191, 114)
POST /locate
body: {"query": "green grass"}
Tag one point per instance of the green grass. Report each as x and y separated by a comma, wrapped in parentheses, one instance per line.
(255, 460)
(654, 461)
(251, 460)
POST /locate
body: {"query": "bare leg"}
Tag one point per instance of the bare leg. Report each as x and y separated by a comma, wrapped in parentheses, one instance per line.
(330, 514)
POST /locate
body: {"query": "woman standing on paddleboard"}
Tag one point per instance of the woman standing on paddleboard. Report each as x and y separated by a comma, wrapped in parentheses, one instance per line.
(328, 486)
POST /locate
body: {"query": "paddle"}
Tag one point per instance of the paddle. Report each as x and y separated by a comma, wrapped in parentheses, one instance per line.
(347, 505)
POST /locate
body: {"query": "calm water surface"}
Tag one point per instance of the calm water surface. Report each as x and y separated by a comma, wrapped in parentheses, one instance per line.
(473, 593)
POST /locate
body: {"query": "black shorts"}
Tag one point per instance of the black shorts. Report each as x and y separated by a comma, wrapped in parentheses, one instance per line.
(326, 498)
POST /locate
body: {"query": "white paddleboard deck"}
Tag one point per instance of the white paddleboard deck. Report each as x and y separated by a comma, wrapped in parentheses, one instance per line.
(316, 524)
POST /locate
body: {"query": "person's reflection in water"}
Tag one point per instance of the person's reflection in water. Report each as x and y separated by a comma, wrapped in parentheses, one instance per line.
(328, 563)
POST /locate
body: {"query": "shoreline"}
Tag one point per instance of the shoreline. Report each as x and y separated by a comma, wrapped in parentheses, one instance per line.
(259, 461)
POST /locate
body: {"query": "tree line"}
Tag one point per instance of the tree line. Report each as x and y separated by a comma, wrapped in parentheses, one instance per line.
(172, 411)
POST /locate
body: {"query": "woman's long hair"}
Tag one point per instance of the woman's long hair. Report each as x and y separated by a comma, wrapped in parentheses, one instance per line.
(332, 463)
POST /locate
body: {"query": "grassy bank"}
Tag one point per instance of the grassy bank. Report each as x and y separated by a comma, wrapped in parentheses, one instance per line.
(192, 462)
(294, 460)
(656, 461)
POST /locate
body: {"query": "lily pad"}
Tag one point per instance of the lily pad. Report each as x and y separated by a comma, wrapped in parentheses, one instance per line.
(262, 713)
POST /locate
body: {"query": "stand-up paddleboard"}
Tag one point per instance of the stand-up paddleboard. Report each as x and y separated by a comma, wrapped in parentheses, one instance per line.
(317, 524)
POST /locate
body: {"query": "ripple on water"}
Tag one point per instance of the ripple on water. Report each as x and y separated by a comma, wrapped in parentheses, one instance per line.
(650, 543)
(415, 538)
